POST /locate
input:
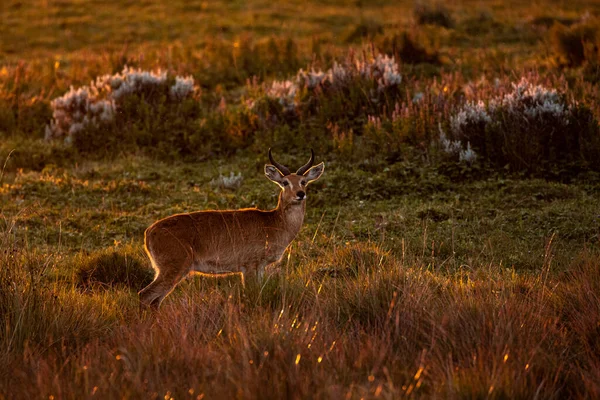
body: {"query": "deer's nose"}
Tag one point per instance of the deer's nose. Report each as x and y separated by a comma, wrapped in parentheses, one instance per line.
(300, 195)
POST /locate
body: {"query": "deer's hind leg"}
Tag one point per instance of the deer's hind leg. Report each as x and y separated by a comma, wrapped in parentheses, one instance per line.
(163, 284)
(169, 272)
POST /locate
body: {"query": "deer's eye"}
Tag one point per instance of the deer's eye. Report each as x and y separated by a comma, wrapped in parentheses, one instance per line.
(285, 183)
(303, 183)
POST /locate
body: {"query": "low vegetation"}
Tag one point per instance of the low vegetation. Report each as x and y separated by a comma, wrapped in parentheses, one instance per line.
(449, 251)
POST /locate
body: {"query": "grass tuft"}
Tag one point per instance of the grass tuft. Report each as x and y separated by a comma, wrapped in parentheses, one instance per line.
(124, 266)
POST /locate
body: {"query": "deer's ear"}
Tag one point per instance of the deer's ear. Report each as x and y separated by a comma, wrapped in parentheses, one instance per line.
(273, 174)
(315, 172)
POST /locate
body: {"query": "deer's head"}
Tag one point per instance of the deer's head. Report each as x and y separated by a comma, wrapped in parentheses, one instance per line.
(293, 185)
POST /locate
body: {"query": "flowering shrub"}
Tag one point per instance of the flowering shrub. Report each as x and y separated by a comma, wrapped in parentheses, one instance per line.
(77, 110)
(381, 71)
(456, 147)
(182, 88)
(106, 104)
(284, 92)
(472, 114)
(529, 128)
(342, 96)
(232, 182)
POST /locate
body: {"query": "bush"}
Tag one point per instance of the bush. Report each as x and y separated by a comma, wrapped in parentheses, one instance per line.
(530, 129)
(135, 107)
(576, 44)
(115, 267)
(410, 48)
(341, 97)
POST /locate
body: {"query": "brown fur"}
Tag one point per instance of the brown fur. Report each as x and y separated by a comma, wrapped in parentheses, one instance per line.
(223, 242)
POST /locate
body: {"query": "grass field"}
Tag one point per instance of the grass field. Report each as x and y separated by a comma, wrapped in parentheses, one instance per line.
(421, 270)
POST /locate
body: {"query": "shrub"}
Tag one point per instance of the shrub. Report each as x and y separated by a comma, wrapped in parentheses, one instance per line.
(532, 128)
(133, 107)
(576, 44)
(342, 96)
(410, 48)
(433, 14)
(231, 182)
(380, 72)
(114, 267)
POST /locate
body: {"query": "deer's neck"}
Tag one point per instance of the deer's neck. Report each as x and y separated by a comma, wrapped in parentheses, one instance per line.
(291, 216)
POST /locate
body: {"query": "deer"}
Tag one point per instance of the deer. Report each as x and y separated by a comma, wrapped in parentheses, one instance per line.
(224, 242)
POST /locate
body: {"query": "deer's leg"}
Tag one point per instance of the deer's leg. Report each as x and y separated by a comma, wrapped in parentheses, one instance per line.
(260, 274)
(153, 294)
(254, 273)
(169, 273)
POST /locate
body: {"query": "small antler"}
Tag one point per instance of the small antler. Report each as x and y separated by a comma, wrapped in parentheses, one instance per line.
(284, 170)
(306, 166)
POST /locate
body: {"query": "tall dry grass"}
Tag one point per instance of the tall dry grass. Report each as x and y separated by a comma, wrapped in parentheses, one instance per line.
(377, 328)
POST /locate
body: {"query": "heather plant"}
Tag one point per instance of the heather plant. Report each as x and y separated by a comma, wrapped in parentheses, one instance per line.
(531, 128)
(376, 74)
(231, 182)
(132, 107)
(341, 97)
(220, 131)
